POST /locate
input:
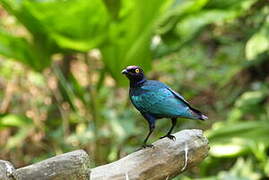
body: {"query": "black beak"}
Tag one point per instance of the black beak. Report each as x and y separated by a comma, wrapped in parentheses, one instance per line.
(124, 71)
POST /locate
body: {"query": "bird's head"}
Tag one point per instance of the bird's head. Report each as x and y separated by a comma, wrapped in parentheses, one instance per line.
(134, 73)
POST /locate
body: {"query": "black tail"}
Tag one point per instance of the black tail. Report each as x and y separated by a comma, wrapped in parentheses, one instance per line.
(200, 115)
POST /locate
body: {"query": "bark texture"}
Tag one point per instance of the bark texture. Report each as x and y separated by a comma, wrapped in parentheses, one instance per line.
(72, 165)
(6, 170)
(166, 160)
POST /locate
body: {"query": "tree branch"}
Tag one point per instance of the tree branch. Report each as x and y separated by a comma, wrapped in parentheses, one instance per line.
(168, 159)
(72, 165)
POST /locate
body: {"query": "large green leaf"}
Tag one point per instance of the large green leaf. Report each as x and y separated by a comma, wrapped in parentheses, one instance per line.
(130, 35)
(77, 25)
(83, 25)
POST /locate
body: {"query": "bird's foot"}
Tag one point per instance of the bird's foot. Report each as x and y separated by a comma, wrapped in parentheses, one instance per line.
(146, 146)
(169, 136)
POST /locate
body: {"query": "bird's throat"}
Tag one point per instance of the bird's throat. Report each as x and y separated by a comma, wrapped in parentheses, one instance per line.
(136, 83)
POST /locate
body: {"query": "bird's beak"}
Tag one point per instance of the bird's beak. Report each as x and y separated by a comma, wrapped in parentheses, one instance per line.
(124, 71)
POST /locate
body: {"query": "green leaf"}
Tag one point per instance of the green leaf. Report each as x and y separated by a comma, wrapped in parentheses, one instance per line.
(189, 26)
(40, 48)
(184, 22)
(251, 98)
(258, 43)
(239, 137)
(130, 35)
(242, 170)
(18, 138)
(74, 26)
(20, 49)
(230, 4)
(78, 25)
(178, 11)
(14, 120)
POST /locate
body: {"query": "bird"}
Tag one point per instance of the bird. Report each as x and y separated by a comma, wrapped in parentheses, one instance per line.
(156, 100)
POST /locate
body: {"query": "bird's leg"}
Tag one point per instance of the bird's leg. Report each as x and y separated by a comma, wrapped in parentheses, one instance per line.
(174, 121)
(151, 122)
(151, 128)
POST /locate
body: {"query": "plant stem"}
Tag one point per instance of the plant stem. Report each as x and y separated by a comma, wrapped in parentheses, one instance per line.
(93, 107)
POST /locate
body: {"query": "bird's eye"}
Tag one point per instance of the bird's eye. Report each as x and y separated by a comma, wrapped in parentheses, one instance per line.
(137, 71)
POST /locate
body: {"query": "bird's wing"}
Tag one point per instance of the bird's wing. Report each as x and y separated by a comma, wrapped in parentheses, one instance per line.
(157, 85)
(178, 96)
(195, 111)
(161, 102)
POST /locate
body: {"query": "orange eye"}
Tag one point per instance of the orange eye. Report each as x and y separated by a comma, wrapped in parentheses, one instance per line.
(137, 70)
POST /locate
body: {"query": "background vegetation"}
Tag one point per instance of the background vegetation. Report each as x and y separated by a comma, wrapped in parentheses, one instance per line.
(61, 87)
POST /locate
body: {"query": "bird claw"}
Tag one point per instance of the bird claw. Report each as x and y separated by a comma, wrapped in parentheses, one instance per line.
(146, 146)
(169, 136)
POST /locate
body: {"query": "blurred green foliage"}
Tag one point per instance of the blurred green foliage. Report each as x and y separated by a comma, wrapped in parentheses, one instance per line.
(60, 78)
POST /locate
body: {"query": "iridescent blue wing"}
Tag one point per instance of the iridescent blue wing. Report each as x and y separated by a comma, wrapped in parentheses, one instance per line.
(196, 114)
(178, 96)
(160, 102)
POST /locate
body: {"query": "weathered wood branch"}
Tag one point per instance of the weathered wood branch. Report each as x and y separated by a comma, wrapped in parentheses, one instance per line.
(166, 160)
(72, 165)
(6, 170)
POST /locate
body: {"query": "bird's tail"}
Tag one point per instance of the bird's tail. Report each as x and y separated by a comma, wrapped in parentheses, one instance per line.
(199, 114)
